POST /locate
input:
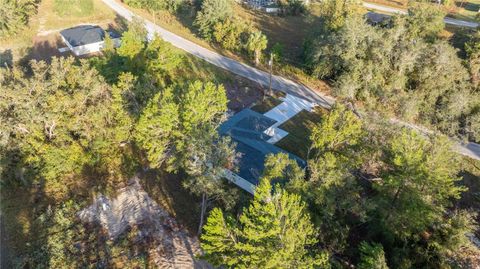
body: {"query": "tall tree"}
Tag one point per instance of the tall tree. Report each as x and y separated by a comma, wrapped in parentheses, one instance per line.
(273, 232)
(133, 44)
(157, 128)
(371, 256)
(425, 20)
(15, 15)
(211, 13)
(331, 190)
(59, 120)
(161, 60)
(256, 43)
(418, 186)
(394, 70)
(335, 12)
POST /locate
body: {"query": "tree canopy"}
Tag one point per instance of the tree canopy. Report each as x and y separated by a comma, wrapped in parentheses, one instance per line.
(273, 232)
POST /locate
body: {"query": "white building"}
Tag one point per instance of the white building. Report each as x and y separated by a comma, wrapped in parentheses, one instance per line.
(86, 39)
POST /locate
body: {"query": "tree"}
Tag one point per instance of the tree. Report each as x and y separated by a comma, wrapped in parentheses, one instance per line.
(158, 126)
(279, 168)
(59, 120)
(331, 190)
(211, 13)
(293, 7)
(473, 125)
(256, 43)
(273, 232)
(228, 33)
(277, 51)
(393, 71)
(338, 136)
(161, 60)
(472, 48)
(152, 6)
(418, 186)
(15, 15)
(335, 12)
(133, 44)
(425, 20)
(200, 151)
(371, 256)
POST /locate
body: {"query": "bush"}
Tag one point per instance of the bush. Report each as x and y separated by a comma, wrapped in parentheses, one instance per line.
(169, 5)
(14, 15)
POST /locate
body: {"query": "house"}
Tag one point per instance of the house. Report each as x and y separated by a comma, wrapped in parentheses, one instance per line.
(247, 129)
(86, 39)
(376, 18)
(269, 6)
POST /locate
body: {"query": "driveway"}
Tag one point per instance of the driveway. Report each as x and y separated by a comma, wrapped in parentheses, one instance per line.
(447, 20)
(251, 73)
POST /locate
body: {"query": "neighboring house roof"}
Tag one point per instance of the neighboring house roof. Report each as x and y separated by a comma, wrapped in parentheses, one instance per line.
(83, 35)
(376, 18)
(247, 129)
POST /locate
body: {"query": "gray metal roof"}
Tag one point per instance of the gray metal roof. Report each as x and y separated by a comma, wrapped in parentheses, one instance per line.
(83, 34)
(247, 129)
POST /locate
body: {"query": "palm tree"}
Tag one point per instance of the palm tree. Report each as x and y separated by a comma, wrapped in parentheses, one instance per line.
(256, 43)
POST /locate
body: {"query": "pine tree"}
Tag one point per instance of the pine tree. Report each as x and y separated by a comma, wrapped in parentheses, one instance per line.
(157, 128)
(418, 186)
(372, 256)
(273, 232)
(211, 13)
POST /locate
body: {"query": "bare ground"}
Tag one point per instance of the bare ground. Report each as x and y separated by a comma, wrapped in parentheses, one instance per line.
(172, 245)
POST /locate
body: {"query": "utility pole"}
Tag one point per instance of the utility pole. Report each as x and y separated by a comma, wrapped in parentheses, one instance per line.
(270, 64)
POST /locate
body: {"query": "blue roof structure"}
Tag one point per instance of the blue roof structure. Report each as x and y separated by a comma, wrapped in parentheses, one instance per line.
(247, 129)
(85, 34)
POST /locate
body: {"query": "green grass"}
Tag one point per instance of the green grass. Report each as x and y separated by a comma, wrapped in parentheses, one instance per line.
(60, 14)
(299, 129)
(76, 8)
(466, 10)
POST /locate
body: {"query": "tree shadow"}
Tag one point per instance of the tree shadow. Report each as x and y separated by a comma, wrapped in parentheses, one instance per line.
(23, 234)
(468, 6)
(6, 58)
(167, 190)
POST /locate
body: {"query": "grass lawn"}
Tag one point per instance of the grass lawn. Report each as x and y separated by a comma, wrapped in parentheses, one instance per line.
(299, 128)
(60, 14)
(465, 10)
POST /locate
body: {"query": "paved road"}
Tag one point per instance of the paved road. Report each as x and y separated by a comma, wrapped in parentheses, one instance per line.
(278, 83)
(261, 77)
(402, 11)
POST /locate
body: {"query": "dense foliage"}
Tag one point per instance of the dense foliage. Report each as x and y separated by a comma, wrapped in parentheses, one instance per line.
(15, 15)
(211, 13)
(371, 196)
(402, 69)
(156, 5)
(108, 117)
(273, 232)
